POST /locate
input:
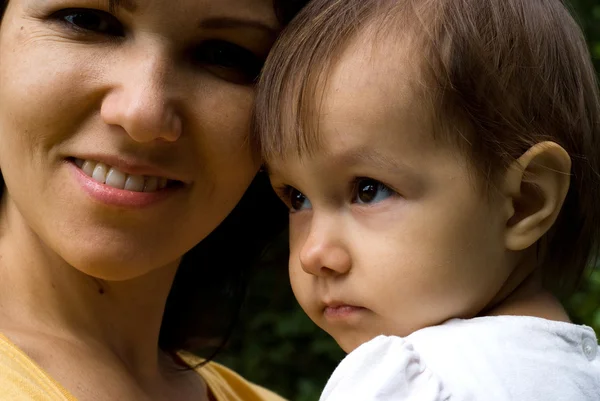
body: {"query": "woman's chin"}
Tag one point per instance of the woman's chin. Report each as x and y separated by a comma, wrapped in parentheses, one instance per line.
(111, 264)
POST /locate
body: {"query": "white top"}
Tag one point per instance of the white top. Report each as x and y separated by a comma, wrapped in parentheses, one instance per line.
(489, 358)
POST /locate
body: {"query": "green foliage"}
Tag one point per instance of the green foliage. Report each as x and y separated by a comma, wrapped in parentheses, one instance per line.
(588, 16)
(278, 346)
(584, 305)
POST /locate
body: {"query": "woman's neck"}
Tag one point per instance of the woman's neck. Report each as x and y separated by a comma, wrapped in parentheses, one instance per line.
(41, 293)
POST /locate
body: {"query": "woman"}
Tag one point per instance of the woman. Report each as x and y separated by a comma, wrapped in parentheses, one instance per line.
(123, 145)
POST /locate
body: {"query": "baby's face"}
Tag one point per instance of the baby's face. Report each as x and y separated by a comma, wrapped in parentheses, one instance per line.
(388, 231)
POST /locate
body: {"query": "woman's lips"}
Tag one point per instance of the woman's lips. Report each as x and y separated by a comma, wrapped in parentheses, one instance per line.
(124, 198)
(113, 177)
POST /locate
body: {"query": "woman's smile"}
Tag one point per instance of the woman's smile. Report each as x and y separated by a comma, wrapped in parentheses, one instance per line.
(112, 186)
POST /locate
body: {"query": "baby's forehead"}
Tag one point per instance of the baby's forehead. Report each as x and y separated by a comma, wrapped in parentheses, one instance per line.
(378, 51)
(346, 141)
(364, 117)
(371, 79)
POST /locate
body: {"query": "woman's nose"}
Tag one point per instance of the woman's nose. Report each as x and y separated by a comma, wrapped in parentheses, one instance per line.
(142, 101)
(324, 253)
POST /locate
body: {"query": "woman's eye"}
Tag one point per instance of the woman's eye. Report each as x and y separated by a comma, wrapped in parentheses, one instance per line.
(230, 61)
(298, 201)
(89, 20)
(371, 191)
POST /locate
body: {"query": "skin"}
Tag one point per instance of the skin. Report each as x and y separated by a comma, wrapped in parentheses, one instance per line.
(389, 230)
(133, 92)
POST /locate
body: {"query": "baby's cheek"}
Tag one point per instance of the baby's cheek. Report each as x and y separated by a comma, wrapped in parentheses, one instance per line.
(301, 287)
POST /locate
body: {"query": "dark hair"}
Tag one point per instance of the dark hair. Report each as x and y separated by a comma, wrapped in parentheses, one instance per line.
(209, 287)
(500, 76)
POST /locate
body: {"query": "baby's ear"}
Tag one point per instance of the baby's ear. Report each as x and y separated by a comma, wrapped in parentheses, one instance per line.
(535, 187)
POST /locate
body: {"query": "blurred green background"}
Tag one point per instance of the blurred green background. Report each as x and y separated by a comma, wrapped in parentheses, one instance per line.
(277, 346)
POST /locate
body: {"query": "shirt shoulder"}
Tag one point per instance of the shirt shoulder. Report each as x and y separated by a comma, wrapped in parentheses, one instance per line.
(22, 380)
(226, 385)
(384, 369)
(495, 358)
(513, 357)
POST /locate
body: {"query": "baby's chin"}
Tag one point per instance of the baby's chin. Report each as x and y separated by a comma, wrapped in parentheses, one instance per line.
(349, 341)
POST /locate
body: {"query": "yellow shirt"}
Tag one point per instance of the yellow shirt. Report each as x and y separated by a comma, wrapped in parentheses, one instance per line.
(21, 379)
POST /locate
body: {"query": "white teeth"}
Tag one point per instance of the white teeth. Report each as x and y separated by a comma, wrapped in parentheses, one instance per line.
(134, 183)
(115, 178)
(88, 167)
(151, 184)
(99, 173)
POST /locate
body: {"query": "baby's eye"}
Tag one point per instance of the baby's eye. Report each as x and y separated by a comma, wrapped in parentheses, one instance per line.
(368, 190)
(298, 201)
(90, 20)
(229, 61)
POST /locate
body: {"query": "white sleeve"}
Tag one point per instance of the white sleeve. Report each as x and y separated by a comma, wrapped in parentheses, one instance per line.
(383, 369)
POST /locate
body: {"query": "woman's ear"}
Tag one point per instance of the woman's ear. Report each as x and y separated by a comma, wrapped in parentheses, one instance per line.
(535, 187)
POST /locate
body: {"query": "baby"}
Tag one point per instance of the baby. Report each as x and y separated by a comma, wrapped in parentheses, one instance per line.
(440, 162)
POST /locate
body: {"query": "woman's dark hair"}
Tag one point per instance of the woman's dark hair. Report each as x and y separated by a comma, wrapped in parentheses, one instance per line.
(209, 287)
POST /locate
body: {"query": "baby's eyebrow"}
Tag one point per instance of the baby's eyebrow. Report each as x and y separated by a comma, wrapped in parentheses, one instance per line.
(359, 156)
(371, 157)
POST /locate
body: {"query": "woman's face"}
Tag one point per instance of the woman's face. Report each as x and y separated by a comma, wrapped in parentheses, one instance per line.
(123, 127)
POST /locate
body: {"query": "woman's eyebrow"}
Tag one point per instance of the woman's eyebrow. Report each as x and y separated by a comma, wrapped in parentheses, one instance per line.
(129, 5)
(229, 22)
(210, 23)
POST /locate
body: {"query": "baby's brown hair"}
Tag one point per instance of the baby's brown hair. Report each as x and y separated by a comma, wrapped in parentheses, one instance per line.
(500, 76)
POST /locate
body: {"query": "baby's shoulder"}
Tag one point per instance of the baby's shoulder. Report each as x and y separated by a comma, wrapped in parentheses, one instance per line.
(492, 358)
(500, 339)
(513, 355)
